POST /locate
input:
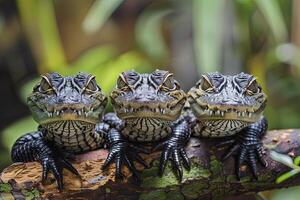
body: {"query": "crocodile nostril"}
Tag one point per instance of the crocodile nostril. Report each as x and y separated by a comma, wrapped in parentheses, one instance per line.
(231, 101)
(145, 97)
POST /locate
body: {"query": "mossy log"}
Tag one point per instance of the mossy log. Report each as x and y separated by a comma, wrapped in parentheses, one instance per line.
(209, 178)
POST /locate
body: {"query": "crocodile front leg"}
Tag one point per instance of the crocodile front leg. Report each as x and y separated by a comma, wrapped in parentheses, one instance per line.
(174, 148)
(33, 147)
(121, 151)
(249, 146)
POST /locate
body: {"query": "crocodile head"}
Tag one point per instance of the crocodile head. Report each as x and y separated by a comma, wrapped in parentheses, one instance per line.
(237, 98)
(156, 95)
(57, 98)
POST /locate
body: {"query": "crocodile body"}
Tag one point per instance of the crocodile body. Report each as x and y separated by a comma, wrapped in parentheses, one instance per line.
(230, 107)
(69, 111)
(148, 112)
(148, 108)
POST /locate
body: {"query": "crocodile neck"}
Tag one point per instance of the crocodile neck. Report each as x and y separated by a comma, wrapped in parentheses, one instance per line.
(72, 135)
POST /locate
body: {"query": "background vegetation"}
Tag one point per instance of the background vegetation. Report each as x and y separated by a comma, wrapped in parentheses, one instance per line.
(106, 37)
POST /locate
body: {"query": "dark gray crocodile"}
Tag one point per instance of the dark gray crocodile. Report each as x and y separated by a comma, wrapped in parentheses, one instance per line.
(232, 107)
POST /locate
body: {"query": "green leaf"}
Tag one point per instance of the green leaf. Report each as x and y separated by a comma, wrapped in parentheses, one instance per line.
(282, 158)
(93, 57)
(286, 160)
(39, 20)
(272, 13)
(297, 160)
(207, 22)
(149, 34)
(287, 175)
(100, 11)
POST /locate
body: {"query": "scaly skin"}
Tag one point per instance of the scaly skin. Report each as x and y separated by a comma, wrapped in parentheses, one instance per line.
(67, 110)
(148, 110)
(225, 106)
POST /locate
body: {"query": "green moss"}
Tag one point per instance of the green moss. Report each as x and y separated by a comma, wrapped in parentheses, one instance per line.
(264, 177)
(107, 190)
(215, 166)
(193, 190)
(158, 182)
(196, 171)
(5, 187)
(231, 178)
(152, 172)
(157, 195)
(152, 180)
(175, 195)
(29, 195)
(247, 183)
(245, 179)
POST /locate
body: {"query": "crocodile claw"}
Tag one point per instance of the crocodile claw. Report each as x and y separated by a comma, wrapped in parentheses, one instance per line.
(249, 153)
(55, 165)
(125, 153)
(173, 150)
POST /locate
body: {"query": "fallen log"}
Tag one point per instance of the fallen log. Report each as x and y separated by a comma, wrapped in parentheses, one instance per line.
(209, 178)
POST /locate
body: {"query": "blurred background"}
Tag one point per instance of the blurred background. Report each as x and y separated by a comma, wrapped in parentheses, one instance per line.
(189, 38)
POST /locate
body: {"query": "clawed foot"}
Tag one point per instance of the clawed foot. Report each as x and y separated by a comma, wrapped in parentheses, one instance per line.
(173, 150)
(55, 164)
(123, 152)
(249, 153)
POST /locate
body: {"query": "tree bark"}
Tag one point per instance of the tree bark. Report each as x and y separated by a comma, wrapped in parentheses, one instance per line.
(209, 178)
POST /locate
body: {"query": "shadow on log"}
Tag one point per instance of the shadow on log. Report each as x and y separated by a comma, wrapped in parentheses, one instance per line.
(208, 178)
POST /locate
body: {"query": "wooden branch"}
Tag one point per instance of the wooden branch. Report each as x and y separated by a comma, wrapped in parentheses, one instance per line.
(208, 178)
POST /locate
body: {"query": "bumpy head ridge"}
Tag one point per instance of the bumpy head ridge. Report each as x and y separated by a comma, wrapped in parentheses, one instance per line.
(217, 97)
(57, 98)
(155, 95)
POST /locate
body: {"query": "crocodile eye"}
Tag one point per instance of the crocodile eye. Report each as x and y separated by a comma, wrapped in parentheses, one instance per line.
(121, 84)
(170, 83)
(206, 85)
(92, 85)
(253, 88)
(45, 86)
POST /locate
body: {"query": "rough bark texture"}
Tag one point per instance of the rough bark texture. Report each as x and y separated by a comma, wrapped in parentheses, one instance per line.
(208, 178)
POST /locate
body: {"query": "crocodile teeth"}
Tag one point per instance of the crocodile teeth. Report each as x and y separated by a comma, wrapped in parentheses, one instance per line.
(218, 112)
(57, 112)
(250, 114)
(79, 112)
(243, 114)
(222, 113)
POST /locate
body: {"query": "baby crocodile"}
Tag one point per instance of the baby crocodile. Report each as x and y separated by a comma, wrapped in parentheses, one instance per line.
(147, 111)
(67, 109)
(230, 106)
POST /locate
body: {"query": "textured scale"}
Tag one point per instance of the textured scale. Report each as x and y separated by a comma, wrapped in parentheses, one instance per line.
(146, 130)
(219, 128)
(67, 109)
(222, 106)
(74, 136)
(148, 108)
